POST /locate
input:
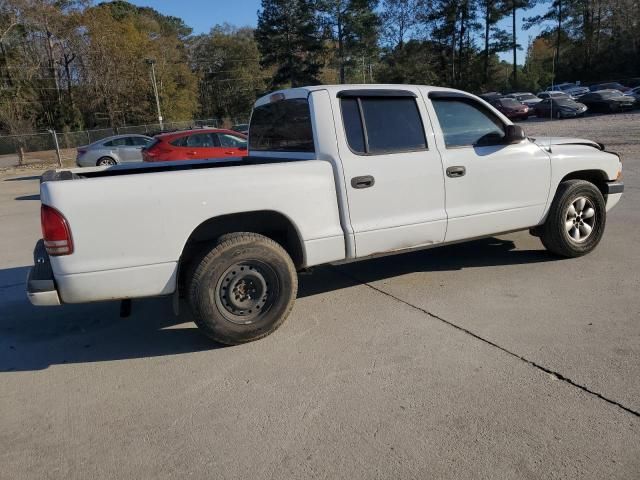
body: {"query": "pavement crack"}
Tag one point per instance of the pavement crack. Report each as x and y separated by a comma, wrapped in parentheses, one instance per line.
(532, 363)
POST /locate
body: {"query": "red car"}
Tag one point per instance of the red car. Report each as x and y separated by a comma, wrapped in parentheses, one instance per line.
(199, 144)
(512, 109)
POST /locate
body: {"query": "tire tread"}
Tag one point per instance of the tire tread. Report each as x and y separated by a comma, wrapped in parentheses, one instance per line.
(553, 237)
(202, 264)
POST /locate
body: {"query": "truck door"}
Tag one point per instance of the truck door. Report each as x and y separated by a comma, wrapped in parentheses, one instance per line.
(393, 172)
(491, 186)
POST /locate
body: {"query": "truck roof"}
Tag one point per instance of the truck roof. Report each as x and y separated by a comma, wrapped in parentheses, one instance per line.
(303, 92)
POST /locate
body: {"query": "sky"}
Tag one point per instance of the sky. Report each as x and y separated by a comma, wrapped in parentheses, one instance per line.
(201, 15)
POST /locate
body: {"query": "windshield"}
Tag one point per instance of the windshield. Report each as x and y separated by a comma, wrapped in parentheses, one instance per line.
(566, 86)
(526, 97)
(606, 95)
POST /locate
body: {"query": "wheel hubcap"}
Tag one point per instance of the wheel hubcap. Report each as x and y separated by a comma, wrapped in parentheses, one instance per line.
(580, 219)
(245, 291)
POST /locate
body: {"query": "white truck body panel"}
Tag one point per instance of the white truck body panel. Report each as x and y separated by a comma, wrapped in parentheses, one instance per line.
(400, 211)
(161, 210)
(129, 230)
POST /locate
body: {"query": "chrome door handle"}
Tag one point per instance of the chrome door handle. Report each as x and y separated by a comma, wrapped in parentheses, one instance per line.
(456, 171)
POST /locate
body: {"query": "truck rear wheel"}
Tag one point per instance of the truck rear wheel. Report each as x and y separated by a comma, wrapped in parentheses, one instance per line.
(243, 289)
(576, 220)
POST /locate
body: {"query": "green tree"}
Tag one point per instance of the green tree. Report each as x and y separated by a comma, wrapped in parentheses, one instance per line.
(513, 6)
(399, 19)
(289, 39)
(452, 25)
(352, 26)
(228, 63)
(495, 40)
(412, 62)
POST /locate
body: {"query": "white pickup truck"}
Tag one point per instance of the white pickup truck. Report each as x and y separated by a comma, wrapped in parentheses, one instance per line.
(333, 174)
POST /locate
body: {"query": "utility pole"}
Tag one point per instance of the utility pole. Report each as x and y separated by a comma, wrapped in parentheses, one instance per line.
(515, 47)
(57, 146)
(364, 72)
(155, 89)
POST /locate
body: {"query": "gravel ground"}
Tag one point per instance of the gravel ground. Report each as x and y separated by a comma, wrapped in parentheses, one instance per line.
(620, 133)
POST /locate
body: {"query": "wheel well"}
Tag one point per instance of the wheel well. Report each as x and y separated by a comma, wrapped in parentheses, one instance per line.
(265, 222)
(106, 156)
(597, 177)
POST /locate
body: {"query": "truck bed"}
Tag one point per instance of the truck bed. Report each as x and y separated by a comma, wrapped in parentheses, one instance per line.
(130, 224)
(155, 167)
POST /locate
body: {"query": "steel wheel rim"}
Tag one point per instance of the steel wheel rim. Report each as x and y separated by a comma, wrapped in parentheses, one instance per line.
(245, 291)
(580, 219)
(106, 163)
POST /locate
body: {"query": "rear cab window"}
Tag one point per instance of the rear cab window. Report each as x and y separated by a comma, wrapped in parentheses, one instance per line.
(282, 126)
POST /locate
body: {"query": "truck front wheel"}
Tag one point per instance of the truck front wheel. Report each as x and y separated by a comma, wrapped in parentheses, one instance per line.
(243, 289)
(576, 219)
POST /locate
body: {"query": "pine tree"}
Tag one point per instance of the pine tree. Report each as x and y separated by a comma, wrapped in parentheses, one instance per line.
(492, 11)
(399, 17)
(288, 37)
(352, 25)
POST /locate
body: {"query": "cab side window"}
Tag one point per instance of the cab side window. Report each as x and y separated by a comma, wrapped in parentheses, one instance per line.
(381, 125)
(465, 123)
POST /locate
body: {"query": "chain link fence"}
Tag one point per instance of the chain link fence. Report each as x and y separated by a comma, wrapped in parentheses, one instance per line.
(60, 147)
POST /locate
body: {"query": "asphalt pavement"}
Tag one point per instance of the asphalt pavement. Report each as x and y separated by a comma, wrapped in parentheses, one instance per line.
(490, 359)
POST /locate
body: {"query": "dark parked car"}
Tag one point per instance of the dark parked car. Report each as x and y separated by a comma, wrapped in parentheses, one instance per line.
(609, 86)
(242, 128)
(607, 101)
(527, 98)
(635, 94)
(512, 109)
(559, 108)
(490, 96)
(544, 95)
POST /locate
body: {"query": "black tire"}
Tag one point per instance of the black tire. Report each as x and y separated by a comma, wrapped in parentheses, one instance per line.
(243, 289)
(105, 161)
(555, 234)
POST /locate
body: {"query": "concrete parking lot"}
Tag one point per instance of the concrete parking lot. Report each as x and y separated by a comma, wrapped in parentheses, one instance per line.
(490, 359)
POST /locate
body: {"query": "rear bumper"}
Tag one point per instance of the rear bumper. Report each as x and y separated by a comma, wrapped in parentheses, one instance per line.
(41, 286)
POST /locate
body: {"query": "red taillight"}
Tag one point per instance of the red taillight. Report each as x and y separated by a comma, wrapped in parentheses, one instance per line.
(55, 231)
(149, 154)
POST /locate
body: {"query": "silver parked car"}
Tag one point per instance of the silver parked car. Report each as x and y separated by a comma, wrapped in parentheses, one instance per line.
(526, 98)
(113, 150)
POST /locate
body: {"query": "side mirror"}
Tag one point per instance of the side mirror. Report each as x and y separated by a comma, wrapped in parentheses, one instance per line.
(514, 134)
